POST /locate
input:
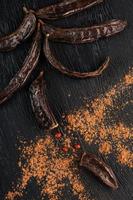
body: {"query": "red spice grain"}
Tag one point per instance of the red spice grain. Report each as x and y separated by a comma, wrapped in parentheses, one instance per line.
(77, 146)
(65, 149)
(58, 135)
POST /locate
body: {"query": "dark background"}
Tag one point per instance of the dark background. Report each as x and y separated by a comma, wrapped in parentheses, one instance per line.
(16, 116)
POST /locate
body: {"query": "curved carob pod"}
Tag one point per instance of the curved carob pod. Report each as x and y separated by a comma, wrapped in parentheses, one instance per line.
(57, 64)
(65, 8)
(26, 29)
(100, 169)
(28, 66)
(86, 34)
(40, 104)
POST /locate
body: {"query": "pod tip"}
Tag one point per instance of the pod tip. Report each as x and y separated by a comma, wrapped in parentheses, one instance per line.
(25, 9)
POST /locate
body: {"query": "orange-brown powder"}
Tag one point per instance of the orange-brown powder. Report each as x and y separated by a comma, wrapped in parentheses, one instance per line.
(125, 156)
(41, 160)
(105, 148)
(95, 123)
(128, 79)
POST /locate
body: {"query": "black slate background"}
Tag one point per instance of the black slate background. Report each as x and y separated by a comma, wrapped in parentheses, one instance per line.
(16, 117)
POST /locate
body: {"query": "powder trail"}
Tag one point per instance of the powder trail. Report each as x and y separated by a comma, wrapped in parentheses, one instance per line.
(41, 161)
(94, 121)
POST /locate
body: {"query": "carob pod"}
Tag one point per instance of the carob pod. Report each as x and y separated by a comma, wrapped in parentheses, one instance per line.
(26, 29)
(100, 169)
(40, 104)
(65, 8)
(23, 74)
(86, 34)
(57, 64)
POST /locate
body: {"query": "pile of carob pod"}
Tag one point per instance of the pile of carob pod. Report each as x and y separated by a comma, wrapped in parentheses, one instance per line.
(36, 21)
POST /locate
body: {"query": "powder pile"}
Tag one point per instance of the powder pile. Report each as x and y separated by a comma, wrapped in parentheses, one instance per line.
(40, 159)
(95, 122)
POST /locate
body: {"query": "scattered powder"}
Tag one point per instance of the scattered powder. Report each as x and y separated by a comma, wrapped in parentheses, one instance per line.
(94, 121)
(105, 148)
(125, 155)
(129, 79)
(67, 142)
(41, 159)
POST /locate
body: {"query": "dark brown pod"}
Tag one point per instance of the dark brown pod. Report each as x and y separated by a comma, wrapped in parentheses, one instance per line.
(40, 104)
(84, 35)
(23, 74)
(65, 8)
(100, 169)
(26, 28)
(57, 64)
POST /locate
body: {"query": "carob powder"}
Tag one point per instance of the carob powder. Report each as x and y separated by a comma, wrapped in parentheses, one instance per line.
(41, 159)
(95, 121)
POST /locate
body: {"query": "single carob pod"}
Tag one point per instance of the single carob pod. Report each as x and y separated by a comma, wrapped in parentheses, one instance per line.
(40, 104)
(84, 34)
(23, 74)
(24, 31)
(99, 168)
(65, 8)
(58, 66)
